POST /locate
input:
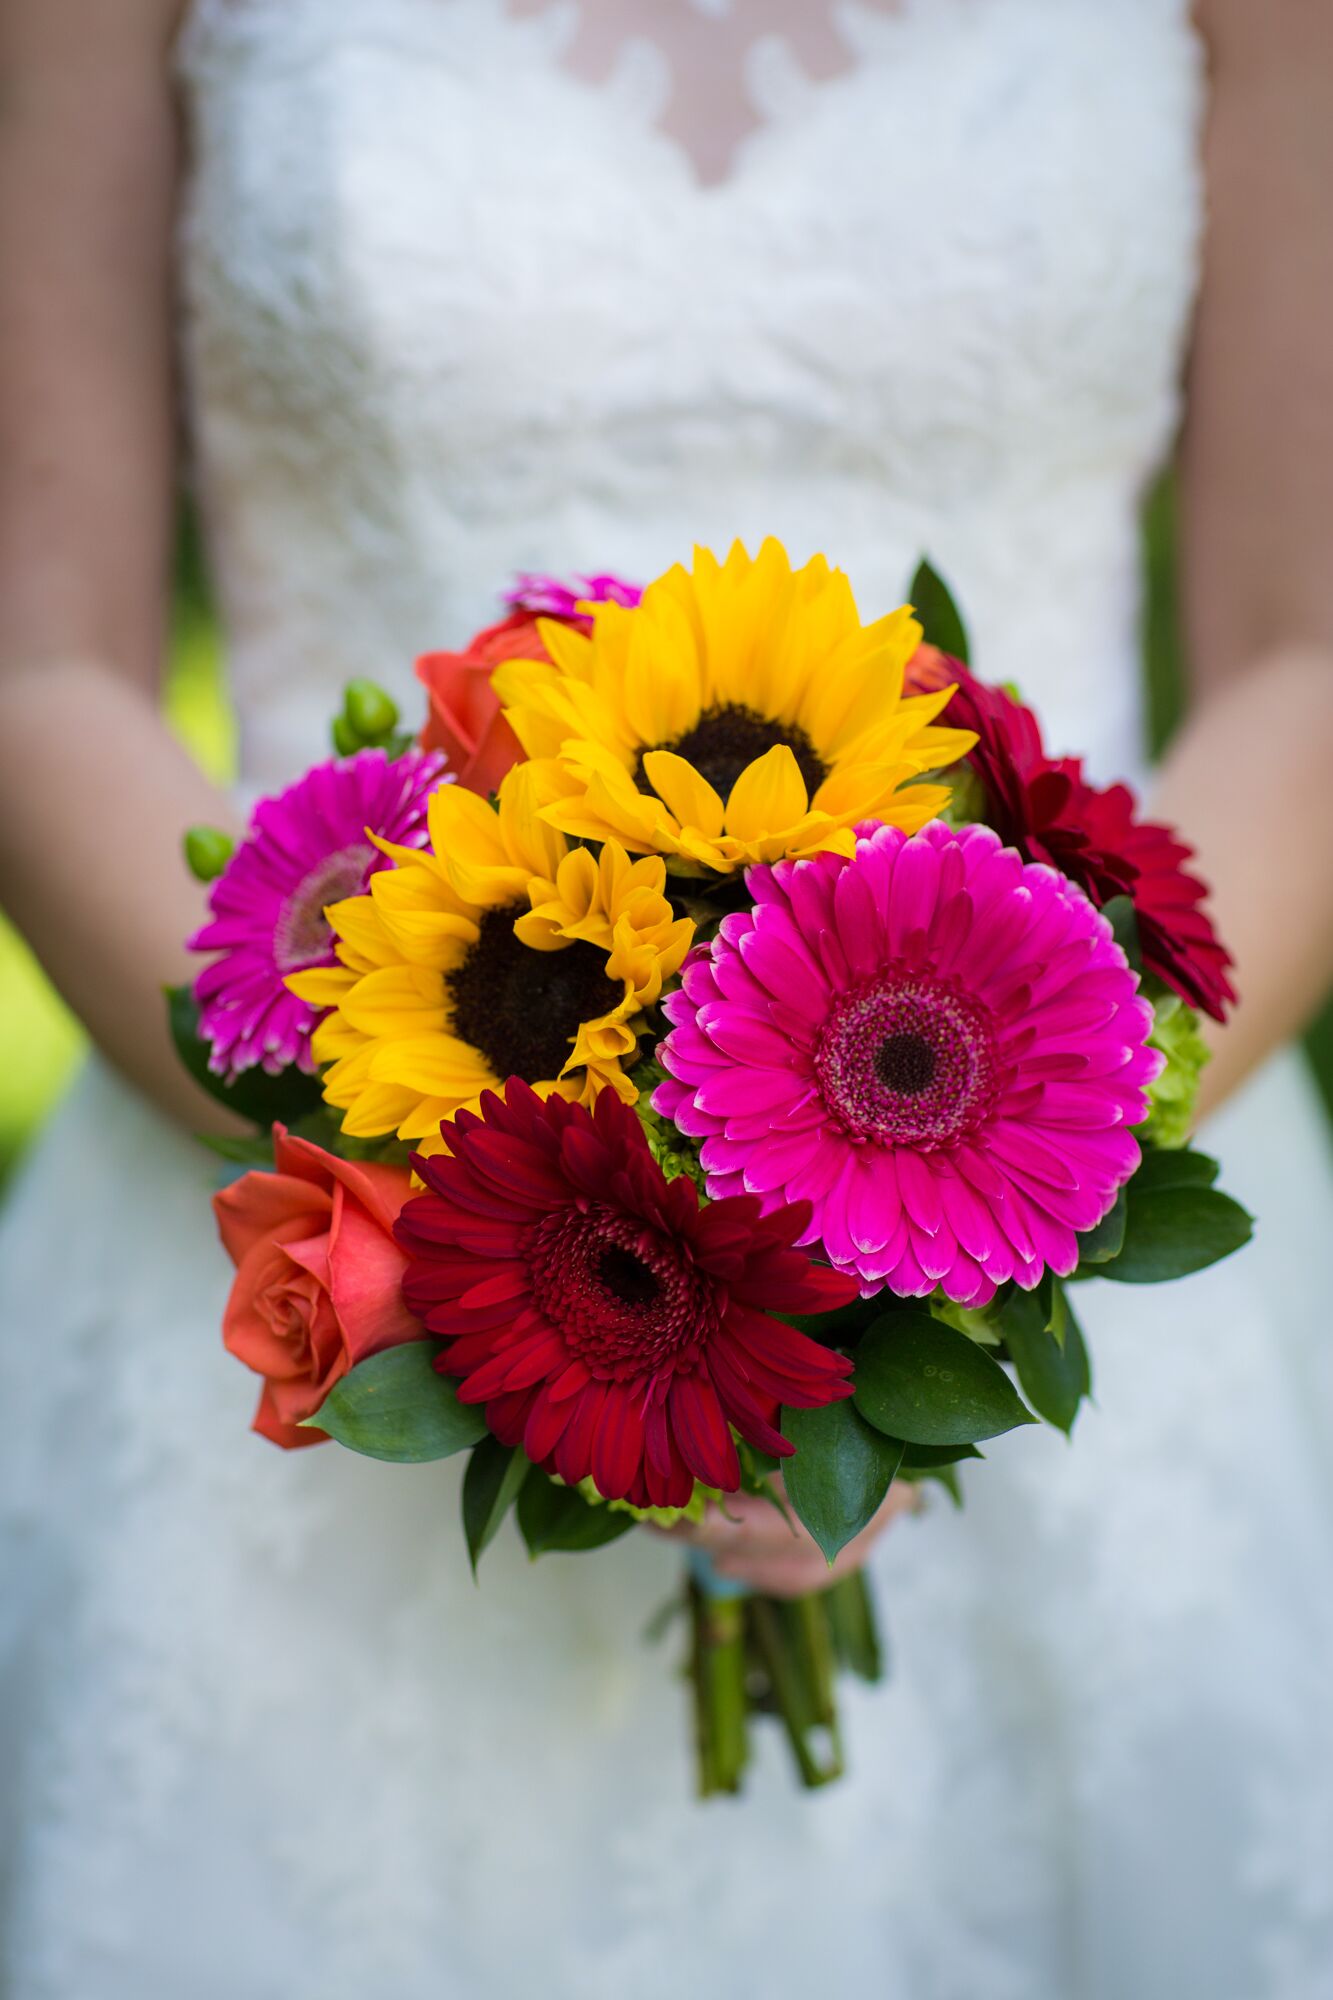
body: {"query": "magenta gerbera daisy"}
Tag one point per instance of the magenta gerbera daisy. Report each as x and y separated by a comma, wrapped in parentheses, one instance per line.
(611, 1324)
(553, 597)
(305, 849)
(939, 1046)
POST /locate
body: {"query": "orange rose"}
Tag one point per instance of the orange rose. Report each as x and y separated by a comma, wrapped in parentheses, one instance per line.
(318, 1276)
(465, 720)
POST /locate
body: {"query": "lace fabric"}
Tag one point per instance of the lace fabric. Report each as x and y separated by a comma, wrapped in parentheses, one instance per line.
(451, 310)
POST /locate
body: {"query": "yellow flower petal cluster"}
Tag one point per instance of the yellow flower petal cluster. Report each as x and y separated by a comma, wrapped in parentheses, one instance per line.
(741, 712)
(498, 950)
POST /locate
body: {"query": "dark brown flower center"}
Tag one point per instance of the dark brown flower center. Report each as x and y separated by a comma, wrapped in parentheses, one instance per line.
(728, 737)
(905, 1063)
(522, 1008)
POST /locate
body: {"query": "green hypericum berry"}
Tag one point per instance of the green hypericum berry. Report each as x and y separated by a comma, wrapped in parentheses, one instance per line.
(345, 739)
(207, 851)
(369, 711)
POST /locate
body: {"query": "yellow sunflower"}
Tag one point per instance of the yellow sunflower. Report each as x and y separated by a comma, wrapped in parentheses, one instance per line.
(498, 951)
(739, 713)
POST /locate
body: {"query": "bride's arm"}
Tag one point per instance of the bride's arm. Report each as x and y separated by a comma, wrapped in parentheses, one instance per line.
(1250, 778)
(94, 792)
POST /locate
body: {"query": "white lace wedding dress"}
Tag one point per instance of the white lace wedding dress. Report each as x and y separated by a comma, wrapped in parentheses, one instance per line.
(455, 305)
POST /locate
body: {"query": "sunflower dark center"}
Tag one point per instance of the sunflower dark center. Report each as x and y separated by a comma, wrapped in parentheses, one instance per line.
(625, 1298)
(522, 1008)
(905, 1063)
(728, 737)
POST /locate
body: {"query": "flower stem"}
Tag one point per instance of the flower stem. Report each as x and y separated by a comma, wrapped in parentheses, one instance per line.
(721, 1704)
(795, 1646)
(855, 1630)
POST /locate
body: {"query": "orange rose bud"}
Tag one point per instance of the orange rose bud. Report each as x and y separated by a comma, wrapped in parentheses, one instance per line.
(318, 1281)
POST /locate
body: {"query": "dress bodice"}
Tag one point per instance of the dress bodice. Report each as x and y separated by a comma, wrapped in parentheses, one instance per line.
(453, 310)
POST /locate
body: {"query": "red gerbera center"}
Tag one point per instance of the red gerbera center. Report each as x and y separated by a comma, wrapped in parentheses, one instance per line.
(609, 1322)
(623, 1296)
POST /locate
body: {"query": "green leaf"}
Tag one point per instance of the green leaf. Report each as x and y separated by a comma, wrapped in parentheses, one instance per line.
(1098, 1246)
(944, 1475)
(394, 1406)
(495, 1472)
(1172, 1167)
(840, 1328)
(254, 1153)
(552, 1518)
(1119, 914)
(840, 1474)
(1054, 1372)
(922, 1381)
(1174, 1231)
(928, 1457)
(941, 620)
(255, 1095)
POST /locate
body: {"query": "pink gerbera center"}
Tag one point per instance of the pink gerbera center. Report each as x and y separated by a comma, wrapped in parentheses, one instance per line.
(302, 935)
(907, 1060)
(620, 1293)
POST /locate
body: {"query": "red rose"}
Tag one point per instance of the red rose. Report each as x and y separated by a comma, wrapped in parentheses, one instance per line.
(465, 720)
(318, 1277)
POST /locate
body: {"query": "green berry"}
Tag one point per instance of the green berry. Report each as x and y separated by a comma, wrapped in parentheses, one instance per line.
(369, 711)
(207, 851)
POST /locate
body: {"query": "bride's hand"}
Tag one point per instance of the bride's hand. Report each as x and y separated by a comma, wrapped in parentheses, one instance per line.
(753, 1543)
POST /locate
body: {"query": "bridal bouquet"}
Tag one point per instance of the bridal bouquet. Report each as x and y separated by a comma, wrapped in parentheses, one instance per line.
(703, 1059)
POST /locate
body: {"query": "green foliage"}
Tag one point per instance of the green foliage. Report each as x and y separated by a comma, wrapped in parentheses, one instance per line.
(255, 1095)
(1097, 1246)
(552, 1517)
(1172, 1097)
(1120, 915)
(1045, 1344)
(842, 1470)
(941, 620)
(394, 1406)
(1169, 1221)
(1176, 1222)
(924, 1382)
(495, 1473)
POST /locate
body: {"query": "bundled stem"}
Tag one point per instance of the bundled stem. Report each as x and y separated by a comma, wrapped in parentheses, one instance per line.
(775, 1656)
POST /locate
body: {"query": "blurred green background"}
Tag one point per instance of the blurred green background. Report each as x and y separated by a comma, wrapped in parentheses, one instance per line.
(39, 1041)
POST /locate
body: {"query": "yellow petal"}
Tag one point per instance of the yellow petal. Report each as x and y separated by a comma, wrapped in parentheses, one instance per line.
(684, 792)
(769, 795)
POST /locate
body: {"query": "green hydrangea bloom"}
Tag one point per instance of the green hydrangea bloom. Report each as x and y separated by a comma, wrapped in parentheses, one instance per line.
(660, 1517)
(975, 1322)
(1172, 1098)
(671, 1149)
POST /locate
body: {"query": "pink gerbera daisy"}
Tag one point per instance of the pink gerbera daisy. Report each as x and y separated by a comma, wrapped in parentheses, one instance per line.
(305, 849)
(939, 1046)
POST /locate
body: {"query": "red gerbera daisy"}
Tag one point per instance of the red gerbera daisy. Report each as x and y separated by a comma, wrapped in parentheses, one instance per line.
(610, 1323)
(1046, 808)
